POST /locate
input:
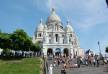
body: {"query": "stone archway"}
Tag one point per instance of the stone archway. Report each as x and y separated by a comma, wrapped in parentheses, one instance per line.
(57, 51)
(49, 51)
(66, 52)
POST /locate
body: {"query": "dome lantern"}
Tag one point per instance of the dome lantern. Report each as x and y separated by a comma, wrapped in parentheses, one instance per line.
(53, 11)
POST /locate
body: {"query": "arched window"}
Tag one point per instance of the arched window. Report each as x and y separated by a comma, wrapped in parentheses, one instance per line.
(50, 51)
(57, 51)
(76, 53)
(56, 27)
(66, 52)
(69, 40)
(70, 35)
(39, 35)
(56, 35)
(63, 41)
(63, 38)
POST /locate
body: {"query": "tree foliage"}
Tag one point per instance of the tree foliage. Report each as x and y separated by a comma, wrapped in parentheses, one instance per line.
(35, 47)
(5, 41)
(18, 40)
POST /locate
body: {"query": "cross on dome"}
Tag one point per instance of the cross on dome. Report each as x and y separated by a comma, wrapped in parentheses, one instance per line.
(53, 10)
(41, 20)
(68, 21)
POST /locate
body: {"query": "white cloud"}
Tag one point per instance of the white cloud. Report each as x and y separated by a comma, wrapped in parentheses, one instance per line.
(89, 13)
(90, 22)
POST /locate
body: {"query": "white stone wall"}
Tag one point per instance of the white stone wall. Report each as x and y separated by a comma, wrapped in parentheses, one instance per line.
(52, 27)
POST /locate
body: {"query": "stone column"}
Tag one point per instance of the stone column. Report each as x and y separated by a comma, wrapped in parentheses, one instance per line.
(47, 39)
(61, 39)
(67, 38)
(45, 51)
(71, 52)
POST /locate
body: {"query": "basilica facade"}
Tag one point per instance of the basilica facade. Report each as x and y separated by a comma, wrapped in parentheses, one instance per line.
(55, 38)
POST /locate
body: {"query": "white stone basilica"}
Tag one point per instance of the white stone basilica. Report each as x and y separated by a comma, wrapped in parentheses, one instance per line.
(57, 39)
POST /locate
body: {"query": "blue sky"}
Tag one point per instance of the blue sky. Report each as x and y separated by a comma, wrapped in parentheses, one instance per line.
(89, 18)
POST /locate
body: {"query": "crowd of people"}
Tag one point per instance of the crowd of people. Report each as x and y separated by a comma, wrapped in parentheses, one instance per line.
(20, 53)
(68, 62)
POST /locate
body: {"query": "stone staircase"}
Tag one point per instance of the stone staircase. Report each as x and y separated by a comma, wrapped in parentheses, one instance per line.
(82, 70)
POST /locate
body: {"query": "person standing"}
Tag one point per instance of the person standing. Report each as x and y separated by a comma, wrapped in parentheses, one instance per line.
(78, 62)
(51, 69)
(97, 60)
(94, 61)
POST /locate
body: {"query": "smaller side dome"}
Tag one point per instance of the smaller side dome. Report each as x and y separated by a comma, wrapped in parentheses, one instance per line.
(45, 26)
(69, 27)
(40, 26)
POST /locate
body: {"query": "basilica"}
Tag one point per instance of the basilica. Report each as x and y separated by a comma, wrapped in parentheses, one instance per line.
(55, 38)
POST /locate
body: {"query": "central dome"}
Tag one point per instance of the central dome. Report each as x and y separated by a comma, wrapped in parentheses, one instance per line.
(53, 17)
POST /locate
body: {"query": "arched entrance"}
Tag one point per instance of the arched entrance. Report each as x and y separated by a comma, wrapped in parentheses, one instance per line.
(66, 52)
(49, 51)
(57, 51)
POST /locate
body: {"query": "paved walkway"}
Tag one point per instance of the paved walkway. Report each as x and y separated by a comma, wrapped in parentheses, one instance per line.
(82, 70)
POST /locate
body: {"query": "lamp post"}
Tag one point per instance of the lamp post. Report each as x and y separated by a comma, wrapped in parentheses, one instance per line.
(99, 46)
(99, 50)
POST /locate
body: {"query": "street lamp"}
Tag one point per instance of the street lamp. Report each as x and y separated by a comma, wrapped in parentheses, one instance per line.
(99, 49)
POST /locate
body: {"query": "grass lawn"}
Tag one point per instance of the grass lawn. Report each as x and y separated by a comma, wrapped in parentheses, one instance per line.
(23, 66)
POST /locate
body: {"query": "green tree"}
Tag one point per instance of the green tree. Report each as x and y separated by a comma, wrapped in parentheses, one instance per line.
(0, 30)
(7, 52)
(20, 40)
(5, 41)
(107, 49)
(27, 45)
(36, 47)
(33, 48)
